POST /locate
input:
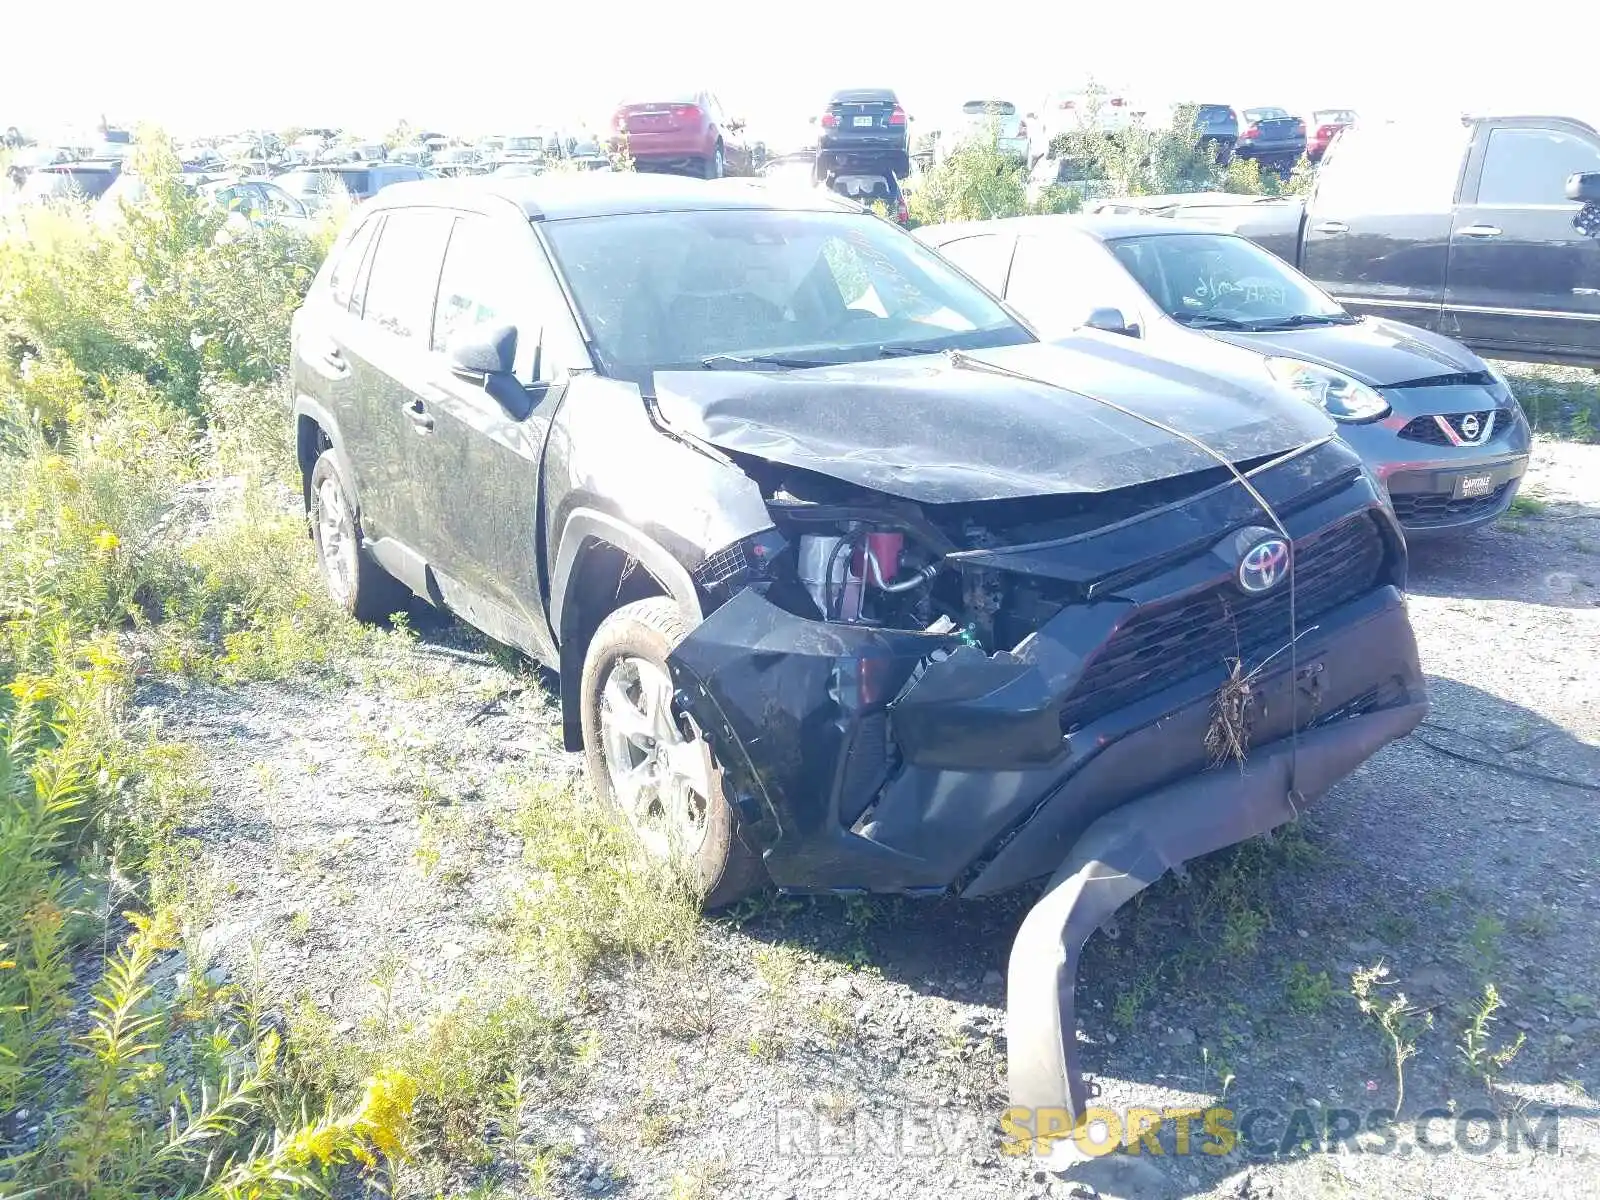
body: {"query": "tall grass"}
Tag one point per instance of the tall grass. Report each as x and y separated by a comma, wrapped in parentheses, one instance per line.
(146, 526)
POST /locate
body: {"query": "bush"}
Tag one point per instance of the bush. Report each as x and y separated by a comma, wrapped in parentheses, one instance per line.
(150, 500)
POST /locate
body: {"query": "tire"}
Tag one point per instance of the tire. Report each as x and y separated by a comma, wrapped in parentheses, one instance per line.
(725, 867)
(352, 576)
(715, 165)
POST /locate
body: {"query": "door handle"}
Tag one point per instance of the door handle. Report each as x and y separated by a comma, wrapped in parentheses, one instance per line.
(421, 421)
(1331, 227)
(1480, 231)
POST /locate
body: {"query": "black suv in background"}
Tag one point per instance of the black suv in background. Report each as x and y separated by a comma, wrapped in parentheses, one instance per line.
(865, 121)
(849, 583)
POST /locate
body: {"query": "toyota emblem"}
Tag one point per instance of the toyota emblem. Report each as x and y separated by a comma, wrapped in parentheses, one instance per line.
(1264, 566)
(1471, 426)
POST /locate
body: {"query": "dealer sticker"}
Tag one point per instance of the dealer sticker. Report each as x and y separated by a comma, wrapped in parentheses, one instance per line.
(1475, 485)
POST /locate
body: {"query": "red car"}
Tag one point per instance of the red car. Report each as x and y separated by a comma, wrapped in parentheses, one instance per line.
(686, 132)
(1326, 122)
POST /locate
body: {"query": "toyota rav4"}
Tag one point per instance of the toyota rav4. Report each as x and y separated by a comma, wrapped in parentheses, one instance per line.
(850, 583)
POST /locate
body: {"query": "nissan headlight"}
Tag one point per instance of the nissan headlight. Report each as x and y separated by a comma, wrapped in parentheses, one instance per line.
(1342, 398)
(1499, 377)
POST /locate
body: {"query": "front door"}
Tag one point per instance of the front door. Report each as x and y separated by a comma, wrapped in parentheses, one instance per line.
(1377, 226)
(1524, 273)
(478, 471)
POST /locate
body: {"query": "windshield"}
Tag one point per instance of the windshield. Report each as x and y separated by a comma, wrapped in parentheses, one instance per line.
(981, 108)
(1334, 116)
(525, 143)
(1265, 114)
(1216, 279)
(692, 289)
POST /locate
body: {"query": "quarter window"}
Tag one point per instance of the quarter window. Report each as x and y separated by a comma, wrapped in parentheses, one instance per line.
(1530, 166)
(341, 283)
(404, 280)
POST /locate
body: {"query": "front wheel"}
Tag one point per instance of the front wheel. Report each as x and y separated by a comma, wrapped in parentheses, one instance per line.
(650, 762)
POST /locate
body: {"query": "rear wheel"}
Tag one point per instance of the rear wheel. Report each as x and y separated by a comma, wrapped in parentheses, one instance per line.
(352, 576)
(651, 762)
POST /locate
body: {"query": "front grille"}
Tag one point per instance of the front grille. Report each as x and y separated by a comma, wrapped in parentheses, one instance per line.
(1418, 510)
(1426, 429)
(1163, 644)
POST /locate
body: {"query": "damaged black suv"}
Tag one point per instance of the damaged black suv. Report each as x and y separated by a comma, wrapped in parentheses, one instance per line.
(850, 584)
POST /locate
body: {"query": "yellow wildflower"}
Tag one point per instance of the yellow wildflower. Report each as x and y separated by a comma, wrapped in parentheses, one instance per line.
(106, 540)
(384, 1118)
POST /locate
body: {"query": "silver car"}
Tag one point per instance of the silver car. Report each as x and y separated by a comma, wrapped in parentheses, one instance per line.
(1433, 421)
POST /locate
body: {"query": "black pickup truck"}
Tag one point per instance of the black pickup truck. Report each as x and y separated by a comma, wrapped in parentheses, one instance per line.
(1486, 230)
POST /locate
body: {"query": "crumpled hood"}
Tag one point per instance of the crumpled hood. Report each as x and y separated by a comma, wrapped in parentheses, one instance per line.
(928, 430)
(1376, 352)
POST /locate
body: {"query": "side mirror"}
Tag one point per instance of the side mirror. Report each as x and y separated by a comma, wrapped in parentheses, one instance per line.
(1111, 320)
(1584, 187)
(479, 354)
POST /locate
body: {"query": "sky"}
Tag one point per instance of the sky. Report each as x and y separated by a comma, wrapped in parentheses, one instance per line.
(478, 67)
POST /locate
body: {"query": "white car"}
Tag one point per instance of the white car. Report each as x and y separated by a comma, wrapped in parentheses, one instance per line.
(1108, 110)
(976, 120)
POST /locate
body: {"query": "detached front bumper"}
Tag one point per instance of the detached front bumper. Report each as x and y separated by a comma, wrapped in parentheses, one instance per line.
(1125, 852)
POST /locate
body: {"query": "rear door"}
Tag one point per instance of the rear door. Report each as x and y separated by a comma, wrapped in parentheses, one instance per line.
(386, 353)
(1524, 277)
(1377, 226)
(478, 472)
(324, 332)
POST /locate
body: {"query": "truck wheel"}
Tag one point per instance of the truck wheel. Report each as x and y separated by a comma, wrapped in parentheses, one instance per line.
(651, 763)
(353, 577)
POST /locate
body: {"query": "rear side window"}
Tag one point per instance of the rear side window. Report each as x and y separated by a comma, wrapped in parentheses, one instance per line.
(985, 257)
(1392, 169)
(404, 279)
(1530, 166)
(342, 281)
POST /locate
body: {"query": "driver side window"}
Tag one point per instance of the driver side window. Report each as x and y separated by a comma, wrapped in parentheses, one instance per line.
(1057, 281)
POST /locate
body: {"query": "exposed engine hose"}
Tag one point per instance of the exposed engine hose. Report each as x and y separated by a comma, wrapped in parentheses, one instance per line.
(922, 575)
(963, 360)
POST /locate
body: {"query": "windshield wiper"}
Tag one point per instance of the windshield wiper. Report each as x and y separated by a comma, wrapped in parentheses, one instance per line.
(1209, 321)
(903, 351)
(1300, 320)
(735, 362)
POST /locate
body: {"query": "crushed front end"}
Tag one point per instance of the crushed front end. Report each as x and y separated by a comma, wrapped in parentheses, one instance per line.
(966, 697)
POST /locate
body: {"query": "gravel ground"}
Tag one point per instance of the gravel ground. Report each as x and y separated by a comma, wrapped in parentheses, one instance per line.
(826, 1048)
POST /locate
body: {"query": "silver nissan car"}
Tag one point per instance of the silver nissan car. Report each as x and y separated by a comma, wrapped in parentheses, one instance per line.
(1433, 421)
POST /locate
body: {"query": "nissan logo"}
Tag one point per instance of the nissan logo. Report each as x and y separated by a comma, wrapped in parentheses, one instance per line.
(1471, 426)
(1264, 566)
